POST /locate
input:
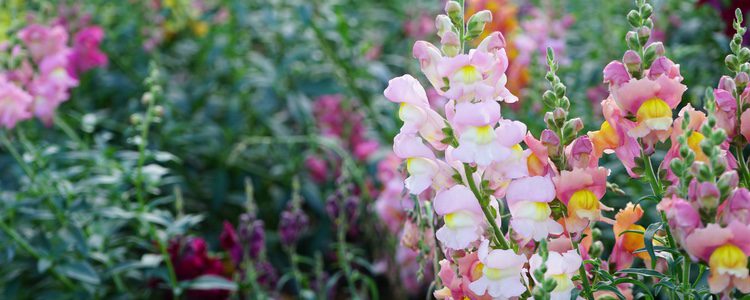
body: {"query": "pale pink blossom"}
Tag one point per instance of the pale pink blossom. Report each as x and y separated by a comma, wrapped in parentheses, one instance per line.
(15, 104)
(483, 145)
(682, 216)
(503, 273)
(464, 219)
(42, 41)
(561, 267)
(528, 200)
(613, 136)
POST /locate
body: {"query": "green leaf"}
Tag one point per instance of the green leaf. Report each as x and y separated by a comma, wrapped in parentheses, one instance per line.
(644, 272)
(639, 283)
(613, 289)
(82, 271)
(209, 282)
(648, 240)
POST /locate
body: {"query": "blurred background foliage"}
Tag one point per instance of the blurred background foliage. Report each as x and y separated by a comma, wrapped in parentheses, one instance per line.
(239, 83)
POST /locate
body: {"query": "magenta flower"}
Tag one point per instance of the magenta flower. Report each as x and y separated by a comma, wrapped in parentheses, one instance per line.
(86, 54)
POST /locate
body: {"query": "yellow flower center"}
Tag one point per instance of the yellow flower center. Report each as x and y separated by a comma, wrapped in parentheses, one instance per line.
(694, 142)
(633, 241)
(535, 165)
(537, 211)
(476, 272)
(497, 274)
(607, 137)
(584, 204)
(564, 282)
(459, 219)
(485, 134)
(727, 258)
(517, 148)
(468, 74)
(654, 108)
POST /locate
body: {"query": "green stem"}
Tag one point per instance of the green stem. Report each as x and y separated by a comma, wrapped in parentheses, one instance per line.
(139, 190)
(743, 168)
(686, 277)
(582, 273)
(484, 203)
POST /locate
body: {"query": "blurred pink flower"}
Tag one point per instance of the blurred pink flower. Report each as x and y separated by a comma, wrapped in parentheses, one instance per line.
(15, 104)
(42, 41)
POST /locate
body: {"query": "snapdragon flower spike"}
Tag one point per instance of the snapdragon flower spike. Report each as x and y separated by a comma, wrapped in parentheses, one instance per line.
(528, 200)
(697, 119)
(613, 137)
(464, 219)
(650, 99)
(726, 251)
(503, 273)
(581, 191)
(561, 267)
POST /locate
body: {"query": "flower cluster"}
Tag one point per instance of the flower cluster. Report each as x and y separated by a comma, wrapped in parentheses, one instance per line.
(465, 162)
(43, 68)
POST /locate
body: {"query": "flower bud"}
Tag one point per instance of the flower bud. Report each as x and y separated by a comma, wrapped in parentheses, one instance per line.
(477, 22)
(451, 43)
(634, 18)
(596, 249)
(741, 80)
(729, 179)
(147, 98)
(443, 25)
(580, 152)
(644, 33)
(727, 83)
(708, 195)
(632, 61)
(454, 11)
(559, 115)
(632, 40)
(551, 140)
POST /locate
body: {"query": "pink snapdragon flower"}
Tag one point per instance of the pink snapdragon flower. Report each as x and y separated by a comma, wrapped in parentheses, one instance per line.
(15, 104)
(725, 249)
(528, 200)
(736, 208)
(457, 283)
(613, 137)
(42, 41)
(726, 106)
(420, 162)
(537, 163)
(86, 54)
(415, 110)
(483, 144)
(561, 267)
(581, 190)
(650, 99)
(464, 219)
(480, 74)
(682, 216)
(503, 273)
